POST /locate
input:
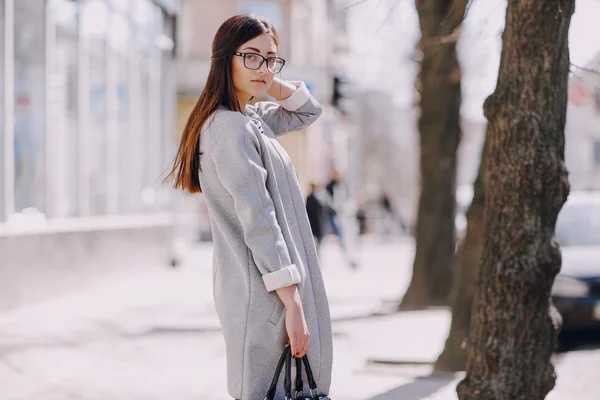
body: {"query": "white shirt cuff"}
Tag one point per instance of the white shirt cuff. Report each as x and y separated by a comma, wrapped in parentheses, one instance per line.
(284, 277)
(298, 98)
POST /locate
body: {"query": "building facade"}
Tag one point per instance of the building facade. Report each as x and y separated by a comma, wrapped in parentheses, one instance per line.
(304, 31)
(88, 124)
(88, 95)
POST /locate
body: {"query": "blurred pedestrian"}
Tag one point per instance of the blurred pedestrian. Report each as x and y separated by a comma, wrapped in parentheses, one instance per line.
(268, 287)
(388, 217)
(316, 212)
(385, 203)
(337, 195)
(361, 219)
(392, 222)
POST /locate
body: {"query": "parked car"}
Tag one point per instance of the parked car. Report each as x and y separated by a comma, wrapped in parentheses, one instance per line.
(576, 290)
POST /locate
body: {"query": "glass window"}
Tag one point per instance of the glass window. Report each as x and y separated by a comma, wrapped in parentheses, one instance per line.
(30, 105)
(121, 6)
(2, 160)
(143, 26)
(126, 146)
(146, 125)
(142, 12)
(168, 129)
(65, 140)
(153, 114)
(94, 20)
(123, 145)
(145, 103)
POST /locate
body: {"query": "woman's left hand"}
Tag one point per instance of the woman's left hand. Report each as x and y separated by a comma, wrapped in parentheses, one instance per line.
(297, 330)
(280, 89)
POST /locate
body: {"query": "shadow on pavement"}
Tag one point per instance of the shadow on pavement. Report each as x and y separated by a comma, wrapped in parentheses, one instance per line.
(385, 309)
(79, 340)
(422, 387)
(157, 330)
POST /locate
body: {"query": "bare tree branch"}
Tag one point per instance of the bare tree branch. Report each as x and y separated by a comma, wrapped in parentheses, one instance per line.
(389, 15)
(454, 20)
(451, 38)
(454, 16)
(592, 71)
(355, 4)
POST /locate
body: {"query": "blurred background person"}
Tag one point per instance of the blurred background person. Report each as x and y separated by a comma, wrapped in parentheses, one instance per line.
(337, 195)
(316, 214)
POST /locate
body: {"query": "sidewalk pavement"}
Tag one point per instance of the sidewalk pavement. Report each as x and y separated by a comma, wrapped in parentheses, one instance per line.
(157, 337)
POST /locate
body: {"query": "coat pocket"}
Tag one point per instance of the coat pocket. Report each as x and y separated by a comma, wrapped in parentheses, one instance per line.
(277, 313)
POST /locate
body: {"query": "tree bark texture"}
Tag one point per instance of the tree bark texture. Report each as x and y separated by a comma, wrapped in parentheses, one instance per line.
(439, 128)
(513, 329)
(468, 258)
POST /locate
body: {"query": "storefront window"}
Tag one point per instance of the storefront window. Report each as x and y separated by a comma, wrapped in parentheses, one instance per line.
(121, 6)
(94, 107)
(146, 128)
(30, 105)
(65, 138)
(150, 55)
(142, 24)
(94, 20)
(2, 77)
(124, 145)
(168, 99)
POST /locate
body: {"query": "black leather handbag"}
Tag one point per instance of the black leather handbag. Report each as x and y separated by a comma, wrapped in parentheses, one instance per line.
(286, 360)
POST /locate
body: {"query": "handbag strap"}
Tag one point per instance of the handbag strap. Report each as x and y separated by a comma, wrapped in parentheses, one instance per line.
(287, 382)
(282, 360)
(299, 394)
(312, 384)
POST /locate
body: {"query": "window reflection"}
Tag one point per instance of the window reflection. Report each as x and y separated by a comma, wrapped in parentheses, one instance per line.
(65, 137)
(168, 127)
(2, 77)
(120, 5)
(150, 126)
(91, 115)
(94, 25)
(29, 105)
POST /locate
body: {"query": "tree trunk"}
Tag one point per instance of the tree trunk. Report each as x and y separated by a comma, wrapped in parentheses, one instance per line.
(513, 330)
(454, 356)
(439, 128)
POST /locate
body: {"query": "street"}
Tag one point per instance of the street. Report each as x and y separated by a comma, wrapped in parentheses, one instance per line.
(156, 336)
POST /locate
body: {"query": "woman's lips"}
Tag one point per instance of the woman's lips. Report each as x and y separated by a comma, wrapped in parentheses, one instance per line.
(259, 81)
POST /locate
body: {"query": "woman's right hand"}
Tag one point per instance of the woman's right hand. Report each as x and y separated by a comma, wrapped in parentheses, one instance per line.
(297, 330)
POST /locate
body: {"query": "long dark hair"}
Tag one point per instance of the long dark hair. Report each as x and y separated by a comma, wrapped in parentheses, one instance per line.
(219, 91)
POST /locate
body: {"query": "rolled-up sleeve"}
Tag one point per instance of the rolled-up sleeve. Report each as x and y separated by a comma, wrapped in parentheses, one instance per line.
(234, 151)
(296, 112)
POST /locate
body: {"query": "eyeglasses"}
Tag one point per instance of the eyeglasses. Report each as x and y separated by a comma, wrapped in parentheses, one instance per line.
(255, 61)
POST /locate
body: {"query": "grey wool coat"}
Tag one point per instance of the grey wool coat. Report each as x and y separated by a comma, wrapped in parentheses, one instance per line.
(262, 241)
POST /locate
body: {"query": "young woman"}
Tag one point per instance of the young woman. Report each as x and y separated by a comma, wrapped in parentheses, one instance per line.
(268, 288)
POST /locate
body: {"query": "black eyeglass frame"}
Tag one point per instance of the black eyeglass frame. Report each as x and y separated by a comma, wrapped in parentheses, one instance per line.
(243, 55)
